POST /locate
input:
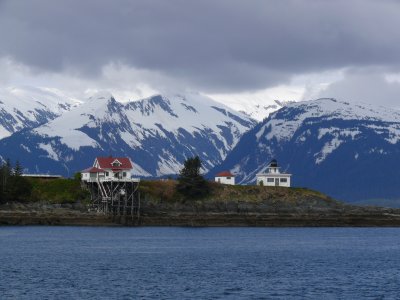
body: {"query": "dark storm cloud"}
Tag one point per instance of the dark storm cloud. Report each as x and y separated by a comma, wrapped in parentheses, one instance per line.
(210, 45)
(366, 85)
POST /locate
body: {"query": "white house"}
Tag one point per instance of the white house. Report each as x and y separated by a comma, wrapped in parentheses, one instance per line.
(225, 177)
(108, 168)
(273, 177)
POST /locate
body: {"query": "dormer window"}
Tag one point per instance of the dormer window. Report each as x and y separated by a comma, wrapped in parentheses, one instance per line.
(116, 163)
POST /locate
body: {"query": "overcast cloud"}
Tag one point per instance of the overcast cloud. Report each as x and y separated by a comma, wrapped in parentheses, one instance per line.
(209, 46)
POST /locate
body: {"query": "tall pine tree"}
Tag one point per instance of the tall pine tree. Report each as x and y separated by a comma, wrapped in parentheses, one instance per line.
(190, 182)
(13, 187)
(17, 171)
(5, 174)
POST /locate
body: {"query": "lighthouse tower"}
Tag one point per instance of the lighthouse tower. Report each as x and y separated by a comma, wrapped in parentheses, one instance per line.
(273, 167)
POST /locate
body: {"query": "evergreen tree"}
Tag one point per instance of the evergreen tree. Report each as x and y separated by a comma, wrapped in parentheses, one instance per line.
(6, 171)
(2, 183)
(190, 182)
(13, 187)
(5, 174)
(78, 176)
(17, 169)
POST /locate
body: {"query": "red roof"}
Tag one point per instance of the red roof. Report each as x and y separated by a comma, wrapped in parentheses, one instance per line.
(92, 170)
(106, 163)
(225, 174)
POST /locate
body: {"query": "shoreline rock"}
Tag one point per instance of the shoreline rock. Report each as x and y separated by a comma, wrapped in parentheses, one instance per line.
(190, 215)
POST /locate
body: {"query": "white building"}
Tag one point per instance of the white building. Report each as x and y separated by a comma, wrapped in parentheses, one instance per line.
(225, 177)
(108, 168)
(273, 177)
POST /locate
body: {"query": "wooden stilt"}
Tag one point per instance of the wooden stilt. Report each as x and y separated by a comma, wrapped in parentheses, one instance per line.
(117, 198)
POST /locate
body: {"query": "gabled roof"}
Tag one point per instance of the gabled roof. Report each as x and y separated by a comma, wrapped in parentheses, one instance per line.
(92, 170)
(106, 163)
(225, 174)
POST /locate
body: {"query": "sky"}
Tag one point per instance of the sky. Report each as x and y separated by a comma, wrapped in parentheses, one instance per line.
(228, 49)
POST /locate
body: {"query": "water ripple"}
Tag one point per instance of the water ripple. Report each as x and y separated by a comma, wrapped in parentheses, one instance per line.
(199, 263)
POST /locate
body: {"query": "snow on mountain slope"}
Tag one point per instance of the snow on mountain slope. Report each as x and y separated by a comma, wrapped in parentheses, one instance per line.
(348, 150)
(255, 107)
(328, 109)
(22, 108)
(158, 133)
(261, 111)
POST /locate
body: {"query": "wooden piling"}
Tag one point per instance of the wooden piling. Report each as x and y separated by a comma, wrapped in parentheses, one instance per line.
(117, 198)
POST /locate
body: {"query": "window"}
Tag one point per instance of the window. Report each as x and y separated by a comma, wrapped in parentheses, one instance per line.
(270, 179)
(228, 178)
(107, 173)
(123, 174)
(283, 179)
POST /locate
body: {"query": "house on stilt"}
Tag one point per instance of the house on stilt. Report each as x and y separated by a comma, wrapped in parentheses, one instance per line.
(112, 189)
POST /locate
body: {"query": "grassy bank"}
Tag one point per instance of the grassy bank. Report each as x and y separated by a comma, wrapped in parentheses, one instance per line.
(157, 192)
(57, 191)
(63, 202)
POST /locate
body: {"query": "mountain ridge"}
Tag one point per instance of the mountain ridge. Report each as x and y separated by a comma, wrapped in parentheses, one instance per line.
(158, 132)
(313, 139)
(26, 107)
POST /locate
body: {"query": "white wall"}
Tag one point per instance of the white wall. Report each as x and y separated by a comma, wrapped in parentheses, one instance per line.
(111, 174)
(270, 180)
(85, 176)
(225, 180)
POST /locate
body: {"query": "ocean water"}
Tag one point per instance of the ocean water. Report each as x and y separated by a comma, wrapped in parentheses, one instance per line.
(199, 263)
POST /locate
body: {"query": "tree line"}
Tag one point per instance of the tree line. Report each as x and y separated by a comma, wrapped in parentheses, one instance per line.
(13, 186)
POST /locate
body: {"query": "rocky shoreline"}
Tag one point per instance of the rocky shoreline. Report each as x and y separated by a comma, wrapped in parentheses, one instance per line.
(51, 214)
(195, 214)
(275, 220)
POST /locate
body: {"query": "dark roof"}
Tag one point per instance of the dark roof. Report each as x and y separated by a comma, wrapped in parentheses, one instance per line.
(273, 163)
(224, 174)
(106, 163)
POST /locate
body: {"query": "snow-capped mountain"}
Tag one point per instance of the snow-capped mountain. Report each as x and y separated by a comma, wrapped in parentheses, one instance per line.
(348, 150)
(262, 111)
(157, 133)
(255, 107)
(25, 107)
